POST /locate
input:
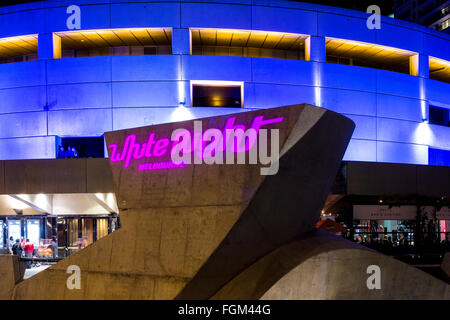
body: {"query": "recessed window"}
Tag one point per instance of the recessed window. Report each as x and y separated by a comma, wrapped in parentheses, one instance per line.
(439, 70)
(368, 55)
(220, 95)
(115, 42)
(19, 49)
(245, 43)
(82, 147)
(439, 116)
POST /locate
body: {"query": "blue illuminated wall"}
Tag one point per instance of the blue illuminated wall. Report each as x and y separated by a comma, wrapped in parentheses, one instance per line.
(50, 98)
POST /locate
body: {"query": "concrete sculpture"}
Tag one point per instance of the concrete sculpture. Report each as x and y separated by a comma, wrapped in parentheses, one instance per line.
(219, 231)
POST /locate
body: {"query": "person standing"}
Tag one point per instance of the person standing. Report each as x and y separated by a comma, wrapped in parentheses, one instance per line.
(29, 248)
(61, 153)
(69, 153)
(22, 244)
(74, 152)
(10, 244)
(54, 248)
(17, 248)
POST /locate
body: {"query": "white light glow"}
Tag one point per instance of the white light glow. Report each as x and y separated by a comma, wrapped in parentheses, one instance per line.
(180, 114)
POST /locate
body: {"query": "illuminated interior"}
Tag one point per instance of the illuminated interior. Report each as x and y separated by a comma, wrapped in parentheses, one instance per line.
(439, 70)
(368, 55)
(243, 43)
(221, 94)
(18, 49)
(114, 42)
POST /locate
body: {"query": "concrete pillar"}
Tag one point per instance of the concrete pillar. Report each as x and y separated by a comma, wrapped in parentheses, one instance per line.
(315, 49)
(419, 65)
(49, 46)
(181, 41)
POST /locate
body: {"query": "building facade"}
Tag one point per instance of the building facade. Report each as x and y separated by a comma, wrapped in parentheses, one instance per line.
(431, 13)
(139, 63)
(72, 70)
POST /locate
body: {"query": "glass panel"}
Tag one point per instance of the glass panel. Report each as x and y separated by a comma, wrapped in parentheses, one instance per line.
(88, 232)
(102, 228)
(1, 234)
(73, 233)
(33, 231)
(14, 229)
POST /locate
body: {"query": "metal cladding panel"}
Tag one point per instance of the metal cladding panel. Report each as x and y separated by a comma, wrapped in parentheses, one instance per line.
(28, 148)
(148, 94)
(402, 131)
(146, 67)
(279, 71)
(23, 125)
(270, 95)
(79, 70)
(433, 45)
(212, 68)
(72, 123)
(402, 153)
(275, 19)
(214, 15)
(349, 101)
(148, 14)
(22, 99)
(438, 93)
(348, 77)
(395, 107)
(79, 96)
(398, 37)
(365, 127)
(361, 150)
(126, 118)
(22, 23)
(399, 84)
(22, 74)
(93, 16)
(344, 27)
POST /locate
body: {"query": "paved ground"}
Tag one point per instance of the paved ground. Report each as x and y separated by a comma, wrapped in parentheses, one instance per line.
(35, 270)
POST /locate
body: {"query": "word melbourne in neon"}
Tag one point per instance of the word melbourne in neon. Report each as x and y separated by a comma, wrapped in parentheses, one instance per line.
(208, 147)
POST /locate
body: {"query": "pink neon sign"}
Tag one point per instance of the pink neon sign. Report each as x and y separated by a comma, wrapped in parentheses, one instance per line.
(156, 148)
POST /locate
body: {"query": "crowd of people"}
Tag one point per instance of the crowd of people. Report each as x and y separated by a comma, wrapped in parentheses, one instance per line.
(402, 244)
(25, 248)
(71, 152)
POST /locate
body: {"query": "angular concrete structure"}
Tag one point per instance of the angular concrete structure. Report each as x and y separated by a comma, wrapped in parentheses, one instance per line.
(12, 271)
(225, 231)
(182, 223)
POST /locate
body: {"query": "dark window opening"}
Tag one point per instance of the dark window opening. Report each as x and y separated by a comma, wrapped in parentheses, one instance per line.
(85, 147)
(439, 116)
(216, 96)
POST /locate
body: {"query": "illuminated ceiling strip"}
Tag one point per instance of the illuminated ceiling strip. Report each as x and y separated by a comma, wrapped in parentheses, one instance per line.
(30, 204)
(101, 203)
(440, 62)
(369, 45)
(216, 83)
